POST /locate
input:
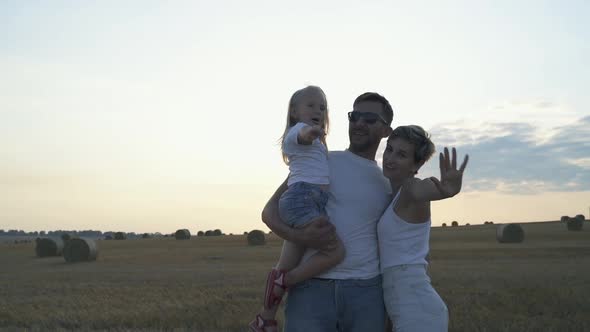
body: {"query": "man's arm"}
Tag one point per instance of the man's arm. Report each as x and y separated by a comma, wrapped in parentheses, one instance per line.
(318, 234)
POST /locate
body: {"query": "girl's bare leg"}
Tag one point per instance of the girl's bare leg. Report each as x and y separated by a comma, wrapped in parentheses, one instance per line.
(290, 256)
(320, 262)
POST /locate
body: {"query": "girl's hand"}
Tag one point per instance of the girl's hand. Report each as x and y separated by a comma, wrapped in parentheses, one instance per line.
(317, 131)
(451, 178)
(309, 133)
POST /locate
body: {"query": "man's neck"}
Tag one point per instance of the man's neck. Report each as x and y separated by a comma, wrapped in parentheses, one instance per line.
(367, 154)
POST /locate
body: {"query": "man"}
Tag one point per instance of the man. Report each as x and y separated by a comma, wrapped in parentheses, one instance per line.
(348, 297)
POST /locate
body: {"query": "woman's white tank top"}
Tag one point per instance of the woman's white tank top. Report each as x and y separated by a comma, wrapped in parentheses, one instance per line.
(401, 242)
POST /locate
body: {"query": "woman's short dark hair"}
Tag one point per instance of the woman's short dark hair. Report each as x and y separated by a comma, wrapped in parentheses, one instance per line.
(423, 146)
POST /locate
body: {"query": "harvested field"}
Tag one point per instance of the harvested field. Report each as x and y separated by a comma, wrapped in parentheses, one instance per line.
(216, 283)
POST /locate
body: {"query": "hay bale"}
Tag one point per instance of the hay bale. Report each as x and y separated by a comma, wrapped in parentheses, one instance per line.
(208, 233)
(444, 224)
(217, 232)
(256, 238)
(80, 250)
(200, 233)
(49, 246)
(510, 233)
(120, 236)
(564, 219)
(182, 234)
(575, 224)
(65, 237)
(581, 216)
(454, 224)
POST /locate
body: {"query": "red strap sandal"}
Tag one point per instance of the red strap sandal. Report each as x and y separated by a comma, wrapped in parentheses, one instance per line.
(259, 323)
(275, 278)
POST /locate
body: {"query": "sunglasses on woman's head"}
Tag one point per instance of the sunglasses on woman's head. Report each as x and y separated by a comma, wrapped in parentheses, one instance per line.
(368, 117)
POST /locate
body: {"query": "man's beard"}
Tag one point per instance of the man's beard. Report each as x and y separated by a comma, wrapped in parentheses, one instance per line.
(361, 146)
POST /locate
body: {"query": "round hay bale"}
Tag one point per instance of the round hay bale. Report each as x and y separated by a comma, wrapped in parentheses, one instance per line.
(200, 233)
(575, 224)
(120, 236)
(444, 224)
(510, 233)
(581, 216)
(145, 236)
(245, 233)
(256, 238)
(49, 246)
(182, 234)
(564, 218)
(66, 237)
(208, 233)
(80, 250)
(454, 224)
(217, 232)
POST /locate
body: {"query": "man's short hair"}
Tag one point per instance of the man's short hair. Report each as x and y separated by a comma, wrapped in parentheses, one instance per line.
(374, 96)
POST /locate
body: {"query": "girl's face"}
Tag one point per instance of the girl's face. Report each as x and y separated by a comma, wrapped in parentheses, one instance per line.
(398, 160)
(311, 108)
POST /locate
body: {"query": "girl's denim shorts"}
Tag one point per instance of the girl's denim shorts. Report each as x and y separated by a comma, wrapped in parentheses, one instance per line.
(301, 203)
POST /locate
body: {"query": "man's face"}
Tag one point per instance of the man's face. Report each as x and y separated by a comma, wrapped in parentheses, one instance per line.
(366, 136)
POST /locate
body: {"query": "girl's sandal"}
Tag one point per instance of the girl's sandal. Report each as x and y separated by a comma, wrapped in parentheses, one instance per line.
(259, 323)
(275, 278)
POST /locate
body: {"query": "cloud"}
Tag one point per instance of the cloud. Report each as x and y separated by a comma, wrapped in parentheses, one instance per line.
(509, 158)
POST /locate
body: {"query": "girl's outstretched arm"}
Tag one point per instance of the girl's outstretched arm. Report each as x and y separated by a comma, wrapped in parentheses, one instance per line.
(433, 189)
(309, 133)
(318, 235)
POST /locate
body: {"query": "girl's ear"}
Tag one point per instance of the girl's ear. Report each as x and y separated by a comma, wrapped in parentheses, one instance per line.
(293, 112)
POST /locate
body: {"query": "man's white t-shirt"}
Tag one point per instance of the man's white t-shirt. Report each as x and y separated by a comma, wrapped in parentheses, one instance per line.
(359, 196)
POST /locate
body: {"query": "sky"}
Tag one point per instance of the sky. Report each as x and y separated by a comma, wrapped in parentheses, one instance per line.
(150, 116)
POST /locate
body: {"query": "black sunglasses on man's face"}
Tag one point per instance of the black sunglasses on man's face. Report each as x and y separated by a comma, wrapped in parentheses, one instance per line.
(370, 118)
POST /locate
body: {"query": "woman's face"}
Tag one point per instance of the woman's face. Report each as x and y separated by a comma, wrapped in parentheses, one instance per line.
(398, 160)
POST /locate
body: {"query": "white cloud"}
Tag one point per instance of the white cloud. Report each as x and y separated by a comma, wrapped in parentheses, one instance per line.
(580, 162)
(513, 157)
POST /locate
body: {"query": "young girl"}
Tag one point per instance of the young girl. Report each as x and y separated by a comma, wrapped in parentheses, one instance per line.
(404, 229)
(304, 150)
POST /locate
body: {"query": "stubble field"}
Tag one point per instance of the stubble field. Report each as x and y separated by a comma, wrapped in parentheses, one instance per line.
(216, 283)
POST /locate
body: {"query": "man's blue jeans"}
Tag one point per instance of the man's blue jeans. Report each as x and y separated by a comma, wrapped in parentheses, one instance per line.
(330, 305)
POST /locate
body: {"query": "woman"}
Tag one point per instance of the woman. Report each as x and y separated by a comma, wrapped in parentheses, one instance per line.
(404, 229)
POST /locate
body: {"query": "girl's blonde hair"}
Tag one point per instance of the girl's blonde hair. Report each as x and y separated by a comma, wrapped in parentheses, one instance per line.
(295, 98)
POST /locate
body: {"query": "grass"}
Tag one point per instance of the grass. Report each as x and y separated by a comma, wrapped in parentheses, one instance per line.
(216, 283)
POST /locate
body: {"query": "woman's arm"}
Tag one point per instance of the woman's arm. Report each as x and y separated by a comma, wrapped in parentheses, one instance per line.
(317, 235)
(433, 189)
